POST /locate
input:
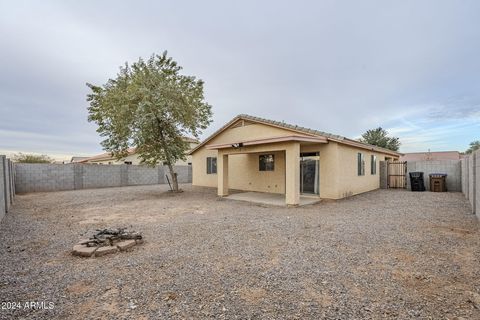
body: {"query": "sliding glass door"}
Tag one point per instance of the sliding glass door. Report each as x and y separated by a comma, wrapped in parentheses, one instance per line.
(309, 173)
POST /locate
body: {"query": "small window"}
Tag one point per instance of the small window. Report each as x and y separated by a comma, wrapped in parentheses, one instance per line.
(266, 162)
(189, 163)
(128, 162)
(373, 164)
(211, 165)
(361, 164)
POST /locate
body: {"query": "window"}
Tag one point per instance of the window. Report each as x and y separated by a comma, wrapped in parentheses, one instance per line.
(361, 164)
(373, 164)
(211, 165)
(128, 162)
(189, 163)
(266, 162)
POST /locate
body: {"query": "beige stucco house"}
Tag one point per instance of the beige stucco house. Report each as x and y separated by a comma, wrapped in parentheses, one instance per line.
(133, 158)
(255, 154)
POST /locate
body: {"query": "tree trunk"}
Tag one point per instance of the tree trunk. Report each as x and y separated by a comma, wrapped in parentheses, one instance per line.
(173, 174)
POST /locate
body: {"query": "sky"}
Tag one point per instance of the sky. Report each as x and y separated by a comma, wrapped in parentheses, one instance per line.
(343, 67)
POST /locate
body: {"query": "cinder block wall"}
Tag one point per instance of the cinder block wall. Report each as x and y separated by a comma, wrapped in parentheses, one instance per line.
(3, 206)
(7, 190)
(58, 177)
(476, 207)
(184, 173)
(452, 168)
(102, 176)
(471, 180)
(40, 177)
(383, 175)
(141, 175)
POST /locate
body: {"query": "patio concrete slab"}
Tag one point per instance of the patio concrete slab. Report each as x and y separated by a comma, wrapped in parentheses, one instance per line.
(273, 199)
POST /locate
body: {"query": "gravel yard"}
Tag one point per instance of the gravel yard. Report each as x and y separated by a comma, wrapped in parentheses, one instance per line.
(383, 254)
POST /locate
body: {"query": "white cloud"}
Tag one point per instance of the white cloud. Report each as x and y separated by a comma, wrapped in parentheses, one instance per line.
(339, 67)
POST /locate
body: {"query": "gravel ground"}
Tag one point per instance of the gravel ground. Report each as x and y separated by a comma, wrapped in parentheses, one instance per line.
(381, 255)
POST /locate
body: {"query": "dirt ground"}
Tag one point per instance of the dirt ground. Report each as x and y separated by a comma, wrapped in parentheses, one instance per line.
(386, 254)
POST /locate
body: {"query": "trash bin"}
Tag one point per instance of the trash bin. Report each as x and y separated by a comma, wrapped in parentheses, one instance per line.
(416, 181)
(438, 182)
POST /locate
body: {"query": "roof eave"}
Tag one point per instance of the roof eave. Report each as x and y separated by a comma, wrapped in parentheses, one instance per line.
(367, 146)
(293, 138)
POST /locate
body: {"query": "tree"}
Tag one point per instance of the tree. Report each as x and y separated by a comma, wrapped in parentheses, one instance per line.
(31, 158)
(379, 137)
(474, 146)
(150, 106)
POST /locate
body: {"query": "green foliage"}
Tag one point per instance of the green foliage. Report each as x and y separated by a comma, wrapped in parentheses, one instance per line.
(379, 137)
(31, 158)
(474, 146)
(151, 106)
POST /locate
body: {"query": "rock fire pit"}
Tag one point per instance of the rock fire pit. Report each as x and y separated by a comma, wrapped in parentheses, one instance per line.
(107, 241)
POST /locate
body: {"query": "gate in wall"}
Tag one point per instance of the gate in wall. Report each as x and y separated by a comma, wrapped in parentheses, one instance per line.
(397, 174)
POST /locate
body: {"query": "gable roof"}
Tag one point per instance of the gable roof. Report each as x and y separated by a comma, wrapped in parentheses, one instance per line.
(298, 129)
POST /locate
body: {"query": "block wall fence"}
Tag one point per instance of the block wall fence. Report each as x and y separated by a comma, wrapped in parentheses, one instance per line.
(471, 180)
(39, 177)
(7, 185)
(463, 176)
(453, 169)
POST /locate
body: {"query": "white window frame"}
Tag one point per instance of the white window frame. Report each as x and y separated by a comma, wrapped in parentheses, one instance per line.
(360, 164)
(373, 164)
(211, 168)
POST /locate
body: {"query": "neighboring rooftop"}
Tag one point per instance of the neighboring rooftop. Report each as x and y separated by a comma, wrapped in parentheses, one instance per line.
(190, 140)
(78, 159)
(108, 156)
(431, 156)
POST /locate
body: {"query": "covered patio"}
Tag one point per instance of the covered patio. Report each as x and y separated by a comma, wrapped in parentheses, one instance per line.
(289, 147)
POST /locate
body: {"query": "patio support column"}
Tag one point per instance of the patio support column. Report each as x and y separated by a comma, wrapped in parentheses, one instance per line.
(222, 174)
(292, 174)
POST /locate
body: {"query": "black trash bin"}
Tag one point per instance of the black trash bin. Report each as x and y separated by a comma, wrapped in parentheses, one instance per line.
(416, 181)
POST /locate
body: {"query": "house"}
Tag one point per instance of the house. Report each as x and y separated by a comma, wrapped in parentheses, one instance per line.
(133, 158)
(431, 156)
(254, 154)
(76, 159)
